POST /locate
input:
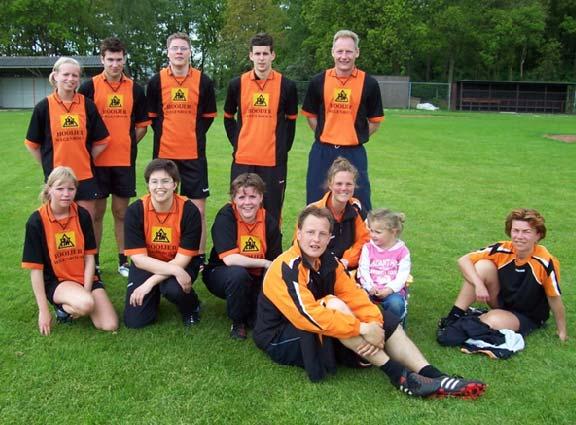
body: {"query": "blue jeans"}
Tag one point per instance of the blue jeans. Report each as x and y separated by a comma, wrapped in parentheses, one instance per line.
(396, 304)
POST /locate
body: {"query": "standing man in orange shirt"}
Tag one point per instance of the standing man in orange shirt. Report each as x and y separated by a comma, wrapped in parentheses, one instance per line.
(122, 104)
(263, 133)
(343, 106)
(182, 105)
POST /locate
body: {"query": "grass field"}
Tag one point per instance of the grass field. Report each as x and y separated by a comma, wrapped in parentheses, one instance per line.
(455, 175)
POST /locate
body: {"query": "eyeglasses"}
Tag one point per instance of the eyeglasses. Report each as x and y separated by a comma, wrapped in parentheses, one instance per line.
(161, 182)
(179, 48)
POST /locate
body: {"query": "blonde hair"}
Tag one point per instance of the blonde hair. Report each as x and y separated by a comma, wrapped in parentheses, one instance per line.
(392, 220)
(340, 164)
(56, 68)
(60, 173)
(347, 34)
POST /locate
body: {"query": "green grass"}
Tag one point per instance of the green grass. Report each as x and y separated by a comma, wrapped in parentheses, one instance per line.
(455, 175)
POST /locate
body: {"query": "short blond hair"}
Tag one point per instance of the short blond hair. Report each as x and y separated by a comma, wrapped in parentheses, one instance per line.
(56, 68)
(347, 34)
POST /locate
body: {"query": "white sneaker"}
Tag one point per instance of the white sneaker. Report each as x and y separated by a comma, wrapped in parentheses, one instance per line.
(124, 269)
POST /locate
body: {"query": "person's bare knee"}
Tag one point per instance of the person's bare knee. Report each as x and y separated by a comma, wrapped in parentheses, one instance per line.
(335, 303)
(500, 319)
(119, 206)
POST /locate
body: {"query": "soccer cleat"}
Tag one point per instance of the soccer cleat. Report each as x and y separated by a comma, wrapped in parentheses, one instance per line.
(238, 331)
(455, 386)
(62, 317)
(124, 269)
(193, 318)
(417, 385)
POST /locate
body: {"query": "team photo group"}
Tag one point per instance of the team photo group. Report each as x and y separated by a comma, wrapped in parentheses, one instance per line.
(337, 296)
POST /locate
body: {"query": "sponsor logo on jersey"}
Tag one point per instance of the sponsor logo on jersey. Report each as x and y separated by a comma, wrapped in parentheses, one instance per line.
(179, 94)
(250, 244)
(69, 121)
(341, 95)
(65, 240)
(115, 100)
(260, 100)
(161, 234)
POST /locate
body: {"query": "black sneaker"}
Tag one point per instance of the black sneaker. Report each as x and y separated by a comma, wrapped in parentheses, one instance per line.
(417, 385)
(63, 317)
(192, 318)
(238, 331)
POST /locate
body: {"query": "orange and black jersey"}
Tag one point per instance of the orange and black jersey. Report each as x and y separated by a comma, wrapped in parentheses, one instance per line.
(267, 110)
(524, 284)
(65, 134)
(343, 107)
(59, 247)
(162, 235)
(122, 106)
(231, 235)
(350, 233)
(294, 291)
(182, 110)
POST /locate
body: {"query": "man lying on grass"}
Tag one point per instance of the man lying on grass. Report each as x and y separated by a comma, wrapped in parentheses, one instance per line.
(311, 314)
(518, 279)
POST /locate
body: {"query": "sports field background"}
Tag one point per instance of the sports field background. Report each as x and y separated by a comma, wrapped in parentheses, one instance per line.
(455, 175)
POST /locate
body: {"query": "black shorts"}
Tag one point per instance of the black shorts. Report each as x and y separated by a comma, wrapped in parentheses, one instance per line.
(50, 288)
(193, 177)
(119, 181)
(88, 190)
(527, 325)
(285, 347)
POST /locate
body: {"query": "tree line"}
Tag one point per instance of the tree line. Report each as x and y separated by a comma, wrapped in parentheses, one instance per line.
(428, 40)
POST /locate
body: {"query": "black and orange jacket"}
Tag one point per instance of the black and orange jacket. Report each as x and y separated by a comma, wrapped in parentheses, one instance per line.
(59, 247)
(122, 106)
(350, 232)
(343, 107)
(65, 135)
(524, 284)
(267, 110)
(182, 110)
(293, 291)
(231, 235)
(162, 235)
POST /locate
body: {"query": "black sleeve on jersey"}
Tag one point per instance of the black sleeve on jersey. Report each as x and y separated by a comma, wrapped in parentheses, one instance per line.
(87, 229)
(38, 123)
(273, 238)
(313, 98)
(225, 230)
(191, 227)
(154, 96)
(373, 98)
(231, 107)
(87, 89)
(140, 105)
(206, 102)
(134, 236)
(34, 250)
(291, 109)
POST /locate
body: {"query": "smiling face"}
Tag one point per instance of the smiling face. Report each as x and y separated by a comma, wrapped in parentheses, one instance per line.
(342, 187)
(524, 237)
(248, 201)
(113, 64)
(161, 187)
(67, 77)
(62, 194)
(313, 237)
(344, 53)
(179, 53)
(262, 58)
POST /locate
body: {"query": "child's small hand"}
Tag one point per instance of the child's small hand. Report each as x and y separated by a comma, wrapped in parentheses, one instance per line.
(384, 292)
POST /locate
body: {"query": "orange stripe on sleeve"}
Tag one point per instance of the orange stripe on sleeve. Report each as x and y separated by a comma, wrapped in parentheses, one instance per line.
(32, 266)
(135, 251)
(31, 144)
(227, 253)
(188, 252)
(308, 114)
(376, 119)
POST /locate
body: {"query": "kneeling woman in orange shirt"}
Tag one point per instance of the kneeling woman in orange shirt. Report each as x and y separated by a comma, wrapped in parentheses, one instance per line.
(59, 250)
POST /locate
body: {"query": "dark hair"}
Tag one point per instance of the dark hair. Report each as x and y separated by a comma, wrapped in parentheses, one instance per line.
(162, 165)
(319, 212)
(262, 39)
(112, 44)
(247, 180)
(532, 217)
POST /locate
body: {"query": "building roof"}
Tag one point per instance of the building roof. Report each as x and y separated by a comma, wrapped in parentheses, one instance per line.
(19, 62)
